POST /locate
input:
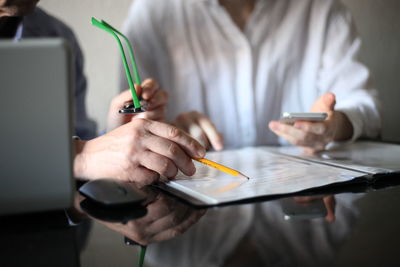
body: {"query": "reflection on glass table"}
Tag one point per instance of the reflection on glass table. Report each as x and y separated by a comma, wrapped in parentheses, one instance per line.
(257, 234)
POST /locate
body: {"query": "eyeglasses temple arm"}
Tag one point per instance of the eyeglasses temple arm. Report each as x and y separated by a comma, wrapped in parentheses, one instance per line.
(135, 98)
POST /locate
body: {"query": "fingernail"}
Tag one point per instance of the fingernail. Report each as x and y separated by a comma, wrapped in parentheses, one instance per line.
(201, 152)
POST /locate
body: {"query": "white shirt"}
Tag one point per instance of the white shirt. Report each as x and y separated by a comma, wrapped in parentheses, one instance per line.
(289, 54)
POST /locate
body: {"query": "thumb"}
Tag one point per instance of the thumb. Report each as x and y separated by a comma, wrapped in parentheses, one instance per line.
(325, 103)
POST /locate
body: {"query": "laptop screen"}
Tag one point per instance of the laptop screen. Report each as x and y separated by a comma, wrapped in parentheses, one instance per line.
(36, 128)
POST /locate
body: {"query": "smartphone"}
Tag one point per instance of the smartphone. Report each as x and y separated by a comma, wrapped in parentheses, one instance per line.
(291, 117)
(303, 211)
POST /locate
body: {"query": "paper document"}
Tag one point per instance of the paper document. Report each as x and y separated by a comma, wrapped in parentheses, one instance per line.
(270, 174)
(370, 157)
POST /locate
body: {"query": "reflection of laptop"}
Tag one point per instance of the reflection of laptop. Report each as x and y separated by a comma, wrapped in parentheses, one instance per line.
(35, 132)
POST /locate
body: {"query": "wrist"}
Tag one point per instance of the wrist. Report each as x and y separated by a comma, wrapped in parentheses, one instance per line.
(344, 127)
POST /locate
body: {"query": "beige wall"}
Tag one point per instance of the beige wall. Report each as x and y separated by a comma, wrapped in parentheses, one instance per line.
(100, 49)
(377, 20)
(378, 23)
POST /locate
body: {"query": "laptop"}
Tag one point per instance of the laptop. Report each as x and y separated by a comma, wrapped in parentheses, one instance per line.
(36, 128)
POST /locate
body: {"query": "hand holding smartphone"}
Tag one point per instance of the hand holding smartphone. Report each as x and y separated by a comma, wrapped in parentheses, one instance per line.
(292, 117)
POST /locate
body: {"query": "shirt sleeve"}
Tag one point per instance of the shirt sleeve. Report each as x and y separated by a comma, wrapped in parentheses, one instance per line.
(342, 74)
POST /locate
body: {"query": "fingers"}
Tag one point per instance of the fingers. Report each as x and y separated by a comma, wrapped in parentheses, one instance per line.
(330, 204)
(173, 152)
(326, 103)
(122, 99)
(149, 91)
(318, 128)
(172, 133)
(165, 219)
(142, 176)
(188, 124)
(211, 131)
(154, 100)
(201, 128)
(157, 114)
(149, 88)
(298, 137)
(174, 217)
(115, 119)
(159, 98)
(179, 229)
(311, 136)
(156, 106)
(160, 164)
(161, 215)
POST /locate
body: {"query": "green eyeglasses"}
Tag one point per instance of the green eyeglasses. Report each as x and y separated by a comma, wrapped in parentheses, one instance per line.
(136, 107)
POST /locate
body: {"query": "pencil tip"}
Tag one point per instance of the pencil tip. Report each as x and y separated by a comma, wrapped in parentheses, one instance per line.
(244, 176)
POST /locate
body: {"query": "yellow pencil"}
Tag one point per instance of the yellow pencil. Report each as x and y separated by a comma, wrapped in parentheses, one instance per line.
(222, 168)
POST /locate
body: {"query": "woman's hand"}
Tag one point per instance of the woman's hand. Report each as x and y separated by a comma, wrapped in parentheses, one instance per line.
(154, 99)
(314, 136)
(200, 128)
(329, 203)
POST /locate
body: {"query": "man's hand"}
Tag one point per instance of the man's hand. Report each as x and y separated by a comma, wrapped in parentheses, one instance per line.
(153, 98)
(139, 151)
(314, 136)
(165, 219)
(201, 128)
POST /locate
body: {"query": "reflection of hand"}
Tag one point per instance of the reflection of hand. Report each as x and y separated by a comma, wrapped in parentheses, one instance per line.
(314, 136)
(140, 151)
(165, 219)
(201, 128)
(154, 99)
(329, 202)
